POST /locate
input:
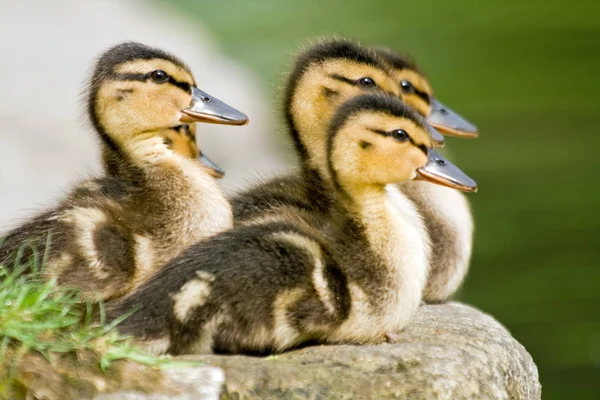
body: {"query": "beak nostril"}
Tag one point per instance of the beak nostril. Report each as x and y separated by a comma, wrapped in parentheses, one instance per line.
(206, 99)
(439, 161)
(443, 111)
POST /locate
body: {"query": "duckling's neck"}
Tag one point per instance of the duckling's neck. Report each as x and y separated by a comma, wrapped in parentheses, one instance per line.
(120, 156)
(184, 201)
(146, 148)
(396, 233)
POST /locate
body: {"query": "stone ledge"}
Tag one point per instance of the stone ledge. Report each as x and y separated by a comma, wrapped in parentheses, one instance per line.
(450, 351)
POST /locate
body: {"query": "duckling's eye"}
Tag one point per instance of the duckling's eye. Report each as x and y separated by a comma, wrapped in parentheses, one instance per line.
(400, 135)
(159, 76)
(367, 82)
(407, 87)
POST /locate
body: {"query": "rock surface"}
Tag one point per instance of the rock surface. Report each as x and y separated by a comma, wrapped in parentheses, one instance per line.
(78, 376)
(450, 351)
(197, 383)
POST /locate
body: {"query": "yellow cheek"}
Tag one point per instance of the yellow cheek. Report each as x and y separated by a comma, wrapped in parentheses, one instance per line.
(345, 94)
(419, 160)
(390, 87)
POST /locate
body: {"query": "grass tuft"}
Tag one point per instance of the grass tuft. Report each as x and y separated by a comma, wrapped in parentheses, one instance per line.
(40, 316)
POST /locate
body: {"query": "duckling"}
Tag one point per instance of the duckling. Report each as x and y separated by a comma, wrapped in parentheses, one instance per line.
(354, 275)
(446, 211)
(324, 75)
(327, 73)
(110, 233)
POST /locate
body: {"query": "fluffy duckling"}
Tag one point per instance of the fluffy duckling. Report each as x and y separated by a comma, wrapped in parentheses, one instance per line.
(446, 211)
(324, 76)
(111, 233)
(353, 276)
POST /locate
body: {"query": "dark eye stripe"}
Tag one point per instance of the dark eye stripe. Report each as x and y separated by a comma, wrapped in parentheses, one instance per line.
(186, 87)
(379, 132)
(343, 79)
(421, 147)
(423, 96)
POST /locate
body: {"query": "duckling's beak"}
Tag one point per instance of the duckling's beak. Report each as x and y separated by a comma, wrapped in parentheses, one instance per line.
(214, 170)
(206, 108)
(443, 172)
(436, 137)
(449, 122)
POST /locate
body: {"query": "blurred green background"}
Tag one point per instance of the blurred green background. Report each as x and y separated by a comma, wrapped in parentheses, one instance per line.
(527, 74)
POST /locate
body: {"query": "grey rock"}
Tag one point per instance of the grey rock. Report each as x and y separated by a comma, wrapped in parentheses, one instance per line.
(195, 383)
(450, 351)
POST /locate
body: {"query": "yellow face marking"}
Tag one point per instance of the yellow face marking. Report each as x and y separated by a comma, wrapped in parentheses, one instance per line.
(383, 160)
(421, 84)
(126, 108)
(318, 94)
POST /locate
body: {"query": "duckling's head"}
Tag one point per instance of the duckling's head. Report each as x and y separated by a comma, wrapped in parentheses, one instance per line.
(416, 91)
(324, 76)
(139, 89)
(376, 139)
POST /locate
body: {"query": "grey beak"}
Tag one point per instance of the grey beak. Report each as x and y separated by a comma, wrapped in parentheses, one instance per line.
(215, 170)
(449, 122)
(206, 108)
(443, 172)
(436, 137)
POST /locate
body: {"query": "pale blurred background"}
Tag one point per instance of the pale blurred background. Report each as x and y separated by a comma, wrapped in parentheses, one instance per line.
(525, 72)
(47, 50)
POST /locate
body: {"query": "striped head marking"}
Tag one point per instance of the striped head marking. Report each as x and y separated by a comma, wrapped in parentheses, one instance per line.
(137, 89)
(323, 77)
(376, 139)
